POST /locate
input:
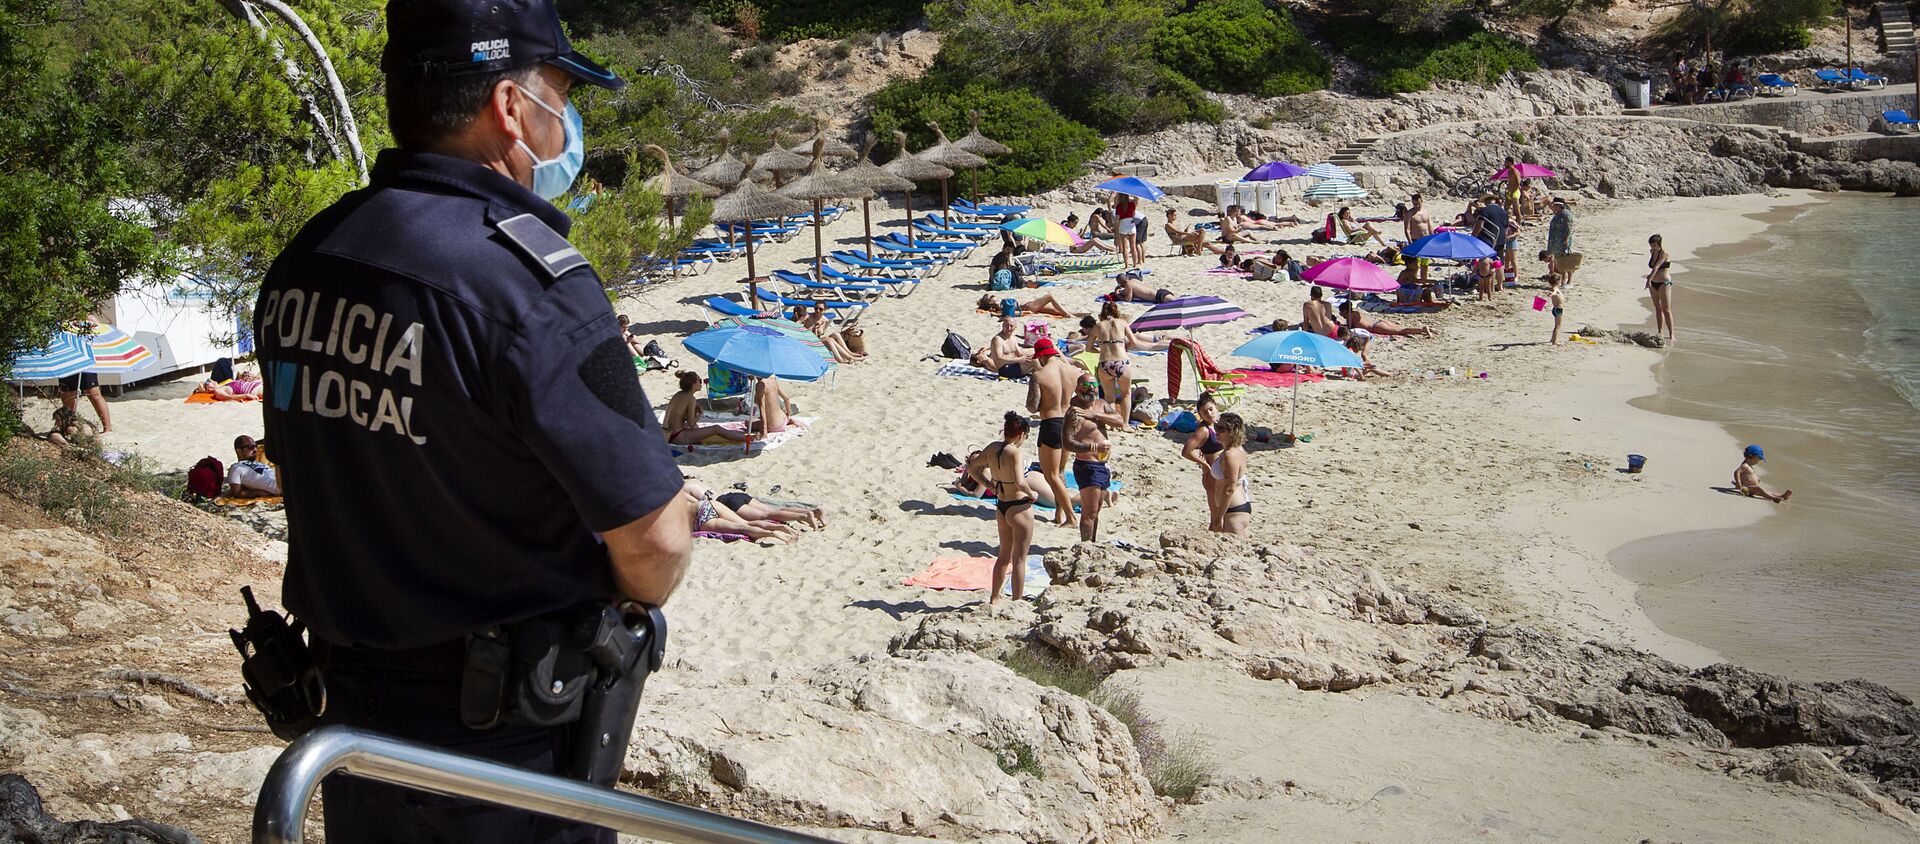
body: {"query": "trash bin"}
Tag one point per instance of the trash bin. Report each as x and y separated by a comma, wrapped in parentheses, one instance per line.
(1224, 192)
(1637, 90)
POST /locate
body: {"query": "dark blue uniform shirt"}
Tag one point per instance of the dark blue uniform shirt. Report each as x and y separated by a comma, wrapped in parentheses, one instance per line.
(452, 409)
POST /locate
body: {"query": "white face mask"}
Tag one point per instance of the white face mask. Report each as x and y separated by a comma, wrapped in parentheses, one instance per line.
(552, 177)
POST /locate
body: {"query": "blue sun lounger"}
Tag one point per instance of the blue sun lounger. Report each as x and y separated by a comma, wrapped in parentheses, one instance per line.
(1777, 85)
(961, 206)
(909, 268)
(952, 248)
(727, 307)
(838, 291)
(837, 311)
(957, 224)
(896, 286)
(936, 231)
(1898, 117)
(1863, 78)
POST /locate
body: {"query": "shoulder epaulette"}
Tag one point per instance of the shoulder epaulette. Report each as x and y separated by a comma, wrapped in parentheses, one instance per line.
(541, 243)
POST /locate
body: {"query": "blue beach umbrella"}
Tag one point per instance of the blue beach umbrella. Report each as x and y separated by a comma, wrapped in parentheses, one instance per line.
(1300, 348)
(1328, 170)
(1273, 171)
(759, 351)
(1453, 246)
(67, 354)
(1133, 186)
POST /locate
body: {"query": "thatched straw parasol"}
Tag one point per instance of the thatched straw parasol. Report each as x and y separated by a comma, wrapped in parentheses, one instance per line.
(946, 154)
(908, 166)
(749, 202)
(833, 148)
(777, 162)
(819, 185)
(876, 180)
(724, 170)
(672, 184)
(979, 144)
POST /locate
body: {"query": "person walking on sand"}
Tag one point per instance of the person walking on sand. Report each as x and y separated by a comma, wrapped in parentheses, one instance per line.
(1048, 390)
(1229, 471)
(1088, 418)
(1000, 467)
(1560, 242)
(1660, 285)
(1556, 302)
(1747, 481)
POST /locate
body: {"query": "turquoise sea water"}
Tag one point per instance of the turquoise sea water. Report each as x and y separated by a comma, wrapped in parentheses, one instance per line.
(1809, 344)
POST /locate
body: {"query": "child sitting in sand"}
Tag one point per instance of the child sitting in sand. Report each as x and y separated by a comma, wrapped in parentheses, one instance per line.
(69, 428)
(1747, 481)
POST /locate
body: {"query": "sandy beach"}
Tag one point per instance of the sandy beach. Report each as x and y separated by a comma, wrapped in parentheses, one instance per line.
(1506, 492)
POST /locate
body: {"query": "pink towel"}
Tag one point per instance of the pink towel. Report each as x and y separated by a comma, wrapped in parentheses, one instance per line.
(1225, 271)
(1267, 378)
(975, 573)
(723, 537)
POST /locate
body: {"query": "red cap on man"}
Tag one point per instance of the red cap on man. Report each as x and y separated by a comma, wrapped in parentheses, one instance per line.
(1044, 347)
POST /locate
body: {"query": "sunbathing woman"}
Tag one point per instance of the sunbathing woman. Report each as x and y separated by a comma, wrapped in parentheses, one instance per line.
(244, 387)
(711, 516)
(1229, 472)
(1044, 304)
(1348, 227)
(1082, 242)
(1359, 318)
(998, 466)
(1110, 339)
(754, 510)
(815, 319)
(1189, 241)
(683, 416)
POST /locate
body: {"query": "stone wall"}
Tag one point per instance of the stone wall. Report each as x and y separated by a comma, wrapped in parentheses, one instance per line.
(1807, 112)
(1861, 147)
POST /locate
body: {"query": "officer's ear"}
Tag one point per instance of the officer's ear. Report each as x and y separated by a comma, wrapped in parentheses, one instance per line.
(505, 110)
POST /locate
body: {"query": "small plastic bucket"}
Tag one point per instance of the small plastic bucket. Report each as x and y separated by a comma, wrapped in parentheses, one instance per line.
(1636, 463)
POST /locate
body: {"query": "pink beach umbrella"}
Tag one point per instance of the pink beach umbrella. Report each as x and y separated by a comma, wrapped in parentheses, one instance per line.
(1355, 274)
(1527, 171)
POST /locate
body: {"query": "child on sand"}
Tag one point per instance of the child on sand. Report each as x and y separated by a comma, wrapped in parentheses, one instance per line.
(1747, 481)
(1557, 304)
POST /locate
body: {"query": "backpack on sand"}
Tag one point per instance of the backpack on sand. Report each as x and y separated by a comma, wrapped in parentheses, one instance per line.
(206, 477)
(956, 347)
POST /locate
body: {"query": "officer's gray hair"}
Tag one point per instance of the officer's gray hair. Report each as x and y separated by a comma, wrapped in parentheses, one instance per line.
(424, 111)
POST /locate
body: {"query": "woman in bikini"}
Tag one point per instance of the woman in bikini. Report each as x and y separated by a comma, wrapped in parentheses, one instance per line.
(683, 416)
(1111, 338)
(815, 319)
(1229, 473)
(711, 516)
(1201, 447)
(1359, 318)
(1034, 482)
(1044, 304)
(754, 510)
(1013, 507)
(1348, 226)
(243, 387)
(1660, 285)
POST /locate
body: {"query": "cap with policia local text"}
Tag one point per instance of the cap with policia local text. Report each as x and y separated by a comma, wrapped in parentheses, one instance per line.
(458, 37)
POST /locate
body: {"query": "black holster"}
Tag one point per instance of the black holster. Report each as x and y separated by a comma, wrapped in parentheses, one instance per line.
(281, 679)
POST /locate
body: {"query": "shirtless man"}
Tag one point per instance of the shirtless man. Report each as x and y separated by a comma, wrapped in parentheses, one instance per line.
(1004, 354)
(1129, 288)
(1359, 318)
(1186, 237)
(1747, 481)
(1087, 421)
(1048, 389)
(683, 416)
(1232, 232)
(1418, 225)
(1317, 316)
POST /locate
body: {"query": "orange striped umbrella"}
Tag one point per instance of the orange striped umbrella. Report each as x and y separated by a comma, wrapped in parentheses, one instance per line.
(115, 350)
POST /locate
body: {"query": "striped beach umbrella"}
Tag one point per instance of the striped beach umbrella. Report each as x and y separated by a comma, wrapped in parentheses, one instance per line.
(1042, 230)
(1328, 170)
(1336, 189)
(1187, 313)
(66, 354)
(116, 351)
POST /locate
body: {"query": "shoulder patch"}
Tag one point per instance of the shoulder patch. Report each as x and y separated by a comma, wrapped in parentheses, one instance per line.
(541, 243)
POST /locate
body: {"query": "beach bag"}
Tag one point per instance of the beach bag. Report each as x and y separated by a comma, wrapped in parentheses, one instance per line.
(956, 347)
(205, 478)
(1002, 280)
(1324, 234)
(856, 340)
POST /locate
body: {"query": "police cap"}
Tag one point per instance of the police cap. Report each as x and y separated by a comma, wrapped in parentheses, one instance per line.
(458, 37)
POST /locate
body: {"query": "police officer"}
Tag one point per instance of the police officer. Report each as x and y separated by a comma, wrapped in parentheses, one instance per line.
(462, 437)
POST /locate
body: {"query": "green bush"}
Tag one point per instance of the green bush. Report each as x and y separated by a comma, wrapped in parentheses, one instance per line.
(1241, 46)
(1756, 37)
(792, 20)
(64, 488)
(1401, 63)
(1048, 150)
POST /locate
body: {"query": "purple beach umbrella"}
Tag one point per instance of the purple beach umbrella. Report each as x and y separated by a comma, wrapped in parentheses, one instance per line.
(1187, 313)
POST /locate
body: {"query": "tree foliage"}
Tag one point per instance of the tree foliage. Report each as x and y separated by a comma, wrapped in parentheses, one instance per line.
(1241, 46)
(1399, 62)
(1048, 150)
(1747, 27)
(616, 229)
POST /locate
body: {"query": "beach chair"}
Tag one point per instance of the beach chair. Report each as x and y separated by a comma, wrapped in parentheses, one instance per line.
(894, 241)
(720, 306)
(841, 312)
(961, 206)
(1862, 79)
(684, 265)
(954, 222)
(829, 291)
(1206, 374)
(1832, 78)
(770, 230)
(727, 389)
(1777, 85)
(936, 231)
(859, 261)
(1897, 118)
(894, 285)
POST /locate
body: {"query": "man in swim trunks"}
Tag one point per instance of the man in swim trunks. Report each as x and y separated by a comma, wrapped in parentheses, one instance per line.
(1128, 287)
(1004, 354)
(1317, 316)
(1087, 419)
(1747, 481)
(1048, 390)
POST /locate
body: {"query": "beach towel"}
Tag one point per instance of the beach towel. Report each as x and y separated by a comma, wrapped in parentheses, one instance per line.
(1228, 271)
(962, 370)
(224, 501)
(207, 398)
(1022, 316)
(1269, 378)
(975, 574)
(723, 537)
(796, 426)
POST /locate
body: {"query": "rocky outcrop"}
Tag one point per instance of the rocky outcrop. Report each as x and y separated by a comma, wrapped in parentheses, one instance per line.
(944, 745)
(23, 818)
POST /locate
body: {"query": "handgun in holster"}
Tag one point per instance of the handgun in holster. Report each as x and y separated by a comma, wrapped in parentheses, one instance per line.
(625, 643)
(279, 676)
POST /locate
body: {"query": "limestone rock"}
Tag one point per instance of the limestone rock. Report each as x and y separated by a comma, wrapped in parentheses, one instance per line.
(24, 818)
(932, 744)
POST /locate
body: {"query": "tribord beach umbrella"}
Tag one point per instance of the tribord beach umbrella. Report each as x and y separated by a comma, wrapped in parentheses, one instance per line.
(1133, 186)
(66, 354)
(1328, 170)
(1046, 231)
(1355, 274)
(1336, 189)
(1450, 246)
(1187, 313)
(1527, 171)
(1273, 171)
(1300, 348)
(758, 351)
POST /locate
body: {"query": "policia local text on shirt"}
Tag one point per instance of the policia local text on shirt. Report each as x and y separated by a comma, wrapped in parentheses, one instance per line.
(474, 480)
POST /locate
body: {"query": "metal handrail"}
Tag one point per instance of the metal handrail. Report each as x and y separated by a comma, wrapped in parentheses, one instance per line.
(280, 814)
